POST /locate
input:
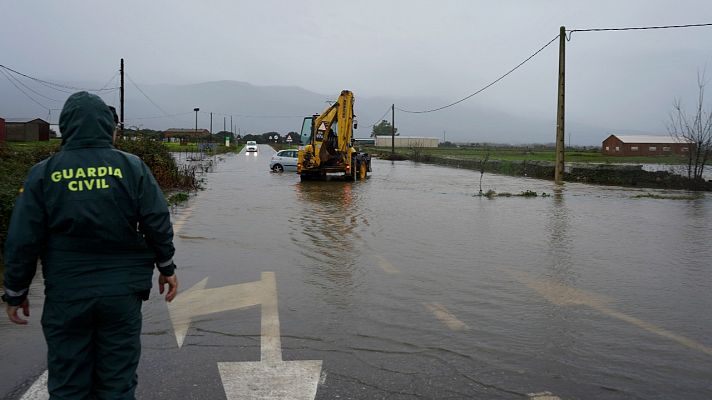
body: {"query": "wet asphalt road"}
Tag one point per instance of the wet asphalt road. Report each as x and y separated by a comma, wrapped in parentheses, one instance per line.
(408, 287)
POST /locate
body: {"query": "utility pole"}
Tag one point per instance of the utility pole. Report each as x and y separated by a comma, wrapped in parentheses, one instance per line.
(559, 167)
(211, 123)
(121, 99)
(232, 127)
(224, 126)
(196, 109)
(393, 129)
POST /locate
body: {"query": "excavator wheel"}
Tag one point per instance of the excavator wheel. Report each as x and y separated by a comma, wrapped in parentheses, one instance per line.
(362, 170)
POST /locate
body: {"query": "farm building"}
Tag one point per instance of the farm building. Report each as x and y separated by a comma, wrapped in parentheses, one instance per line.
(645, 145)
(407, 141)
(2, 130)
(27, 131)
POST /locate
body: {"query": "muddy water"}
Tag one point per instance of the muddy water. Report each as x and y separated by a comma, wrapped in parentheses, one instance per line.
(408, 287)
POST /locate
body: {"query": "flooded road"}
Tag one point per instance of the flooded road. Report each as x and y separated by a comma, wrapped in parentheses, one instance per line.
(406, 286)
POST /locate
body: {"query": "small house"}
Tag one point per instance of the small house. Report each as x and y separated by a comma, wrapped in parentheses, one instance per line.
(645, 145)
(27, 131)
(2, 130)
(406, 141)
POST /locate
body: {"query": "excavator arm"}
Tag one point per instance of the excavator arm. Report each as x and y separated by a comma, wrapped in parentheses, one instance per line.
(329, 147)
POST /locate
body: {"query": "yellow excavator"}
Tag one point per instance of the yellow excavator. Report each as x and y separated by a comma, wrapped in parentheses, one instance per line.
(327, 144)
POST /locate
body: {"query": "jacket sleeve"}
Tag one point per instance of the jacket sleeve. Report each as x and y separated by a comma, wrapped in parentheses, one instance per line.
(25, 238)
(155, 220)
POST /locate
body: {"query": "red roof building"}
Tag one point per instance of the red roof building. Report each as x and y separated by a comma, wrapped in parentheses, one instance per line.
(645, 145)
(2, 130)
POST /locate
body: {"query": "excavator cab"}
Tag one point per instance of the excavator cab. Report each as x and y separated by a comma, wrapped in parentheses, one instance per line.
(327, 143)
(305, 136)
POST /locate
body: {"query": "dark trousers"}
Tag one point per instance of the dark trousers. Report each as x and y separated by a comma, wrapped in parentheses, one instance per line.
(93, 347)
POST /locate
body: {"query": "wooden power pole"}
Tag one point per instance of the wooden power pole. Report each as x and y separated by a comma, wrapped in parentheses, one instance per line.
(121, 98)
(559, 168)
(393, 129)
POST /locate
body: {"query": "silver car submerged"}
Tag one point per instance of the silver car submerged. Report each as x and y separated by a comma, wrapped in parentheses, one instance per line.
(284, 160)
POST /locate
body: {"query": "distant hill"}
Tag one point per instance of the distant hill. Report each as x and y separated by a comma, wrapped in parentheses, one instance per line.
(258, 109)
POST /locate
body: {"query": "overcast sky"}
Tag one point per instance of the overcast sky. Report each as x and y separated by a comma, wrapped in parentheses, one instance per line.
(443, 49)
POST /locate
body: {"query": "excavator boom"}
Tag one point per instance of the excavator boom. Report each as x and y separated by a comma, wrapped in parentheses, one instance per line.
(327, 141)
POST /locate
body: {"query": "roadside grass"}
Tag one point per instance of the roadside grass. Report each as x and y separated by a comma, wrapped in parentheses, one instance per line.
(17, 158)
(668, 196)
(532, 154)
(283, 146)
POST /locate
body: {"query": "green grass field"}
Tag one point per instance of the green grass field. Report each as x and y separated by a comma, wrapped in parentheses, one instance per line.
(534, 154)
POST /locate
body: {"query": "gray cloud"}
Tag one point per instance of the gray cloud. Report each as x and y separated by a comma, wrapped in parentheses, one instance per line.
(394, 49)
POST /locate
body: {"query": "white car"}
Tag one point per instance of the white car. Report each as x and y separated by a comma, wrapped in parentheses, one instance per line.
(251, 146)
(284, 160)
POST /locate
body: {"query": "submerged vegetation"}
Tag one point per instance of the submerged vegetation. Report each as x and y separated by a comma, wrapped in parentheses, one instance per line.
(168, 173)
(694, 196)
(490, 194)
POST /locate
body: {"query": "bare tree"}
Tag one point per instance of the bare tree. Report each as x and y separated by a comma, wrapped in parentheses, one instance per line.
(483, 163)
(695, 129)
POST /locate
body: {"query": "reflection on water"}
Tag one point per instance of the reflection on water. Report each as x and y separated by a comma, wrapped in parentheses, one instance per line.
(325, 229)
(559, 239)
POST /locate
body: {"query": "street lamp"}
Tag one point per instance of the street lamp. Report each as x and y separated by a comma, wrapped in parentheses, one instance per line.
(196, 109)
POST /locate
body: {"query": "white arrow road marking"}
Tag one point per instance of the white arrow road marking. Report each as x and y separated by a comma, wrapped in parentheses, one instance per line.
(38, 390)
(295, 380)
(543, 396)
(563, 295)
(270, 378)
(446, 317)
(180, 221)
(198, 301)
(386, 266)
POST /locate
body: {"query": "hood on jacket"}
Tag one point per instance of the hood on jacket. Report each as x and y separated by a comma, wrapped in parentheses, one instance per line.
(86, 121)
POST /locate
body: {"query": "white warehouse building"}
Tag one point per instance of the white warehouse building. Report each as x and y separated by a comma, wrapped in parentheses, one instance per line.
(407, 141)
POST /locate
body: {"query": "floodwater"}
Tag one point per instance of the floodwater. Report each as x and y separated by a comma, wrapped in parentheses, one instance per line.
(409, 287)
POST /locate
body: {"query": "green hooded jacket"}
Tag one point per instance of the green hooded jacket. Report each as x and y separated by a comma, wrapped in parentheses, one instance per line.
(94, 215)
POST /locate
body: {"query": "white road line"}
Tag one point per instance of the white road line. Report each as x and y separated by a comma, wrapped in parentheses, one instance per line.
(180, 221)
(543, 396)
(563, 295)
(38, 390)
(386, 266)
(446, 317)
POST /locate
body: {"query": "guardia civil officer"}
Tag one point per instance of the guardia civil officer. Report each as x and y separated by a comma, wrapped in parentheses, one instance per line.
(98, 222)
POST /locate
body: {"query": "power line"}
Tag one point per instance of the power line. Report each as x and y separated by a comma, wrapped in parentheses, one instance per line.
(380, 119)
(54, 85)
(485, 87)
(23, 92)
(111, 80)
(636, 28)
(31, 89)
(146, 96)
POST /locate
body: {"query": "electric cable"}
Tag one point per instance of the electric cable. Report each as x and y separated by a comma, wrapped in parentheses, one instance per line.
(485, 87)
(110, 80)
(23, 92)
(380, 119)
(54, 85)
(32, 90)
(146, 96)
(635, 28)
